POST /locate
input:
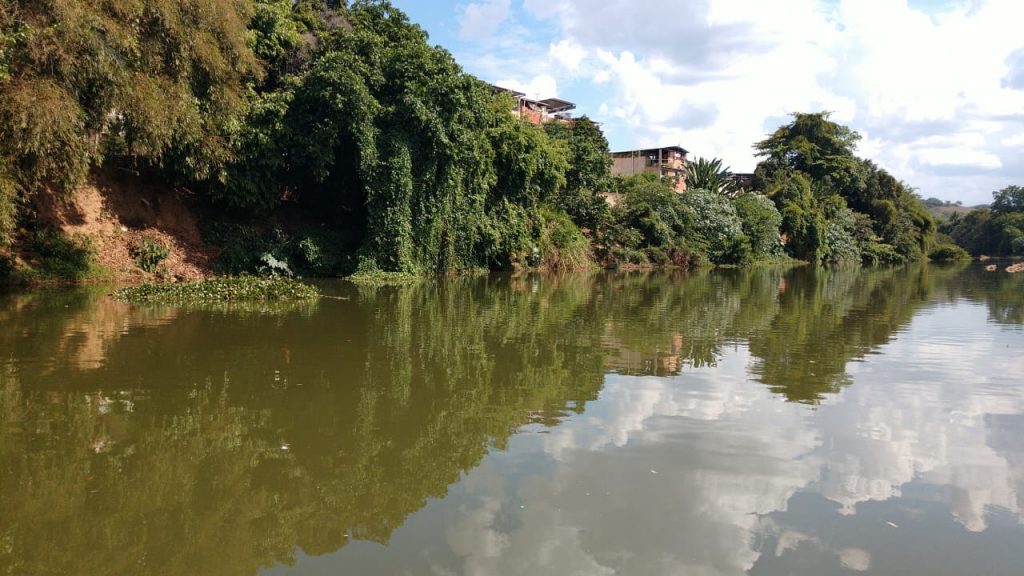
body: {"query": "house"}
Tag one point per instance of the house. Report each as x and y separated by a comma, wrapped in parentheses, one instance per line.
(667, 162)
(744, 180)
(538, 111)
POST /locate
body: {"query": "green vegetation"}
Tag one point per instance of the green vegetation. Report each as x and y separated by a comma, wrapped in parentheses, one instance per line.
(947, 251)
(275, 251)
(326, 138)
(220, 290)
(710, 174)
(835, 206)
(53, 257)
(149, 252)
(932, 202)
(994, 231)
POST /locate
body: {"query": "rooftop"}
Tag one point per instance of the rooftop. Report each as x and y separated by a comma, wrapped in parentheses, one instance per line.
(646, 151)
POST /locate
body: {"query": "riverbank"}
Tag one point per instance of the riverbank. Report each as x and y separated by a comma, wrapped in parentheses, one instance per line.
(130, 228)
(313, 148)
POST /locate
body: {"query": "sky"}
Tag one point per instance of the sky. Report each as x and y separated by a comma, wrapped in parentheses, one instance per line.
(934, 87)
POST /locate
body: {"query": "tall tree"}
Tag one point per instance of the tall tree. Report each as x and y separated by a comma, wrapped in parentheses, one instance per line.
(812, 144)
(161, 81)
(822, 152)
(1007, 200)
(588, 173)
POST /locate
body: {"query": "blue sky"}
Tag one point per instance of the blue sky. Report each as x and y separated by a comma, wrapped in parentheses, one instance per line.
(936, 88)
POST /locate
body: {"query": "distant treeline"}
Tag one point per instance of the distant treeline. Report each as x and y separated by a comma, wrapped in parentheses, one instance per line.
(995, 230)
(345, 113)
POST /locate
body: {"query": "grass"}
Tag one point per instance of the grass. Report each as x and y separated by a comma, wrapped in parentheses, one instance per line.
(227, 290)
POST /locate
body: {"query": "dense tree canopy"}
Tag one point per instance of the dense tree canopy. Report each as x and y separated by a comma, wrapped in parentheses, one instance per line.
(811, 172)
(160, 81)
(344, 112)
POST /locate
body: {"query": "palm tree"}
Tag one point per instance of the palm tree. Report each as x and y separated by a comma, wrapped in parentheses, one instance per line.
(710, 175)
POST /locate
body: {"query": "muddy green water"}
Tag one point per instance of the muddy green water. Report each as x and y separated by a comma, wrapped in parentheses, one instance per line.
(723, 422)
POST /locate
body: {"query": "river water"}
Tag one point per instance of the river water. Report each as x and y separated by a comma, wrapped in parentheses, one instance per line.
(719, 422)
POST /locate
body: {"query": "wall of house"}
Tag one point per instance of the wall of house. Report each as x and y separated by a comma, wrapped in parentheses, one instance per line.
(531, 116)
(679, 178)
(628, 166)
(674, 167)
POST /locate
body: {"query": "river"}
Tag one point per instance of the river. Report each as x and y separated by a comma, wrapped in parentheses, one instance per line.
(722, 422)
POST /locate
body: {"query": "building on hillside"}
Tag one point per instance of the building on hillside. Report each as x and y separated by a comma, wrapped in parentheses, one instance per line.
(538, 111)
(744, 180)
(668, 162)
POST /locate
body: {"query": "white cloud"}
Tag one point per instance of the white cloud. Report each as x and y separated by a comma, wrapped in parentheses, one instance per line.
(480, 21)
(726, 72)
(1016, 141)
(568, 54)
(959, 156)
(542, 86)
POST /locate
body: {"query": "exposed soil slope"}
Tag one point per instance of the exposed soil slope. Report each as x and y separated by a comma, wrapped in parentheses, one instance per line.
(116, 211)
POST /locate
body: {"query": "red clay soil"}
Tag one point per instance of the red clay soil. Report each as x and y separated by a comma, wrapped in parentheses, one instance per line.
(115, 211)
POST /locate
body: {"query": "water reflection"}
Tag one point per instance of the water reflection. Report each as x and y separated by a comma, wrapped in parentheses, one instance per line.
(495, 425)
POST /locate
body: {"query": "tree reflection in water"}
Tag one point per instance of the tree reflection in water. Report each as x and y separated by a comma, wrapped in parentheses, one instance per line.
(165, 441)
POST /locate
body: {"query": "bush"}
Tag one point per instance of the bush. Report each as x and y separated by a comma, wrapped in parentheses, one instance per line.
(274, 251)
(504, 236)
(560, 244)
(947, 252)
(878, 253)
(717, 224)
(55, 256)
(149, 252)
(654, 210)
(6, 266)
(760, 220)
(841, 244)
(8, 208)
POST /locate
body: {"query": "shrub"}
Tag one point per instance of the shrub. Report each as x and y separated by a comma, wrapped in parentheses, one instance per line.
(274, 251)
(368, 273)
(55, 256)
(6, 266)
(878, 253)
(8, 208)
(652, 209)
(504, 236)
(947, 252)
(272, 267)
(149, 252)
(840, 243)
(560, 244)
(717, 224)
(760, 220)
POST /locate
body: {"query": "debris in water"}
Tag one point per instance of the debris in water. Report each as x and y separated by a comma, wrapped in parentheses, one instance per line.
(892, 524)
(654, 471)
